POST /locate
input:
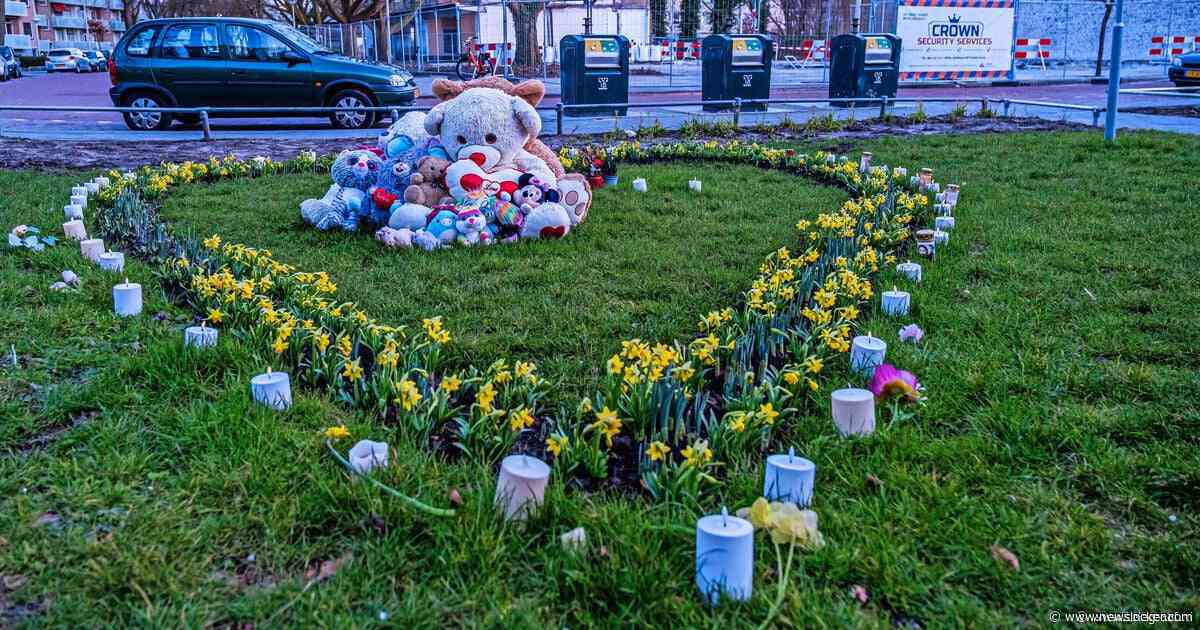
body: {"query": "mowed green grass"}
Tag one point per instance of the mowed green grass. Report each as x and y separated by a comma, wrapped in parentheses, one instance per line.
(642, 265)
(1061, 424)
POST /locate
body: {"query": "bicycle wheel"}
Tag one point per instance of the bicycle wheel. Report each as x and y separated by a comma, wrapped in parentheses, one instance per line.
(466, 69)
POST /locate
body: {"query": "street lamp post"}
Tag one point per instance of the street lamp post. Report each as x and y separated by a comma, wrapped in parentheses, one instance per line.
(1114, 75)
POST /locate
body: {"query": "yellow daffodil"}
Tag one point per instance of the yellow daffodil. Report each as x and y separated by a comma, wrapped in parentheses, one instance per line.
(352, 371)
(337, 433)
(657, 451)
(556, 444)
(767, 413)
(215, 316)
(520, 419)
(487, 394)
(410, 395)
(450, 384)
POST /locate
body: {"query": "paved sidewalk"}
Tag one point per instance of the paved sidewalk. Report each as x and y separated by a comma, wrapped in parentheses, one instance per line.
(91, 90)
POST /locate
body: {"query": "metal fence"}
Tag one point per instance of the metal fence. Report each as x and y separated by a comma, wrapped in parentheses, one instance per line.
(1062, 36)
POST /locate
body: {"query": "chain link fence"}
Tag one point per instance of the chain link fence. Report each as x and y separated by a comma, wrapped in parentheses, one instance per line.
(1059, 38)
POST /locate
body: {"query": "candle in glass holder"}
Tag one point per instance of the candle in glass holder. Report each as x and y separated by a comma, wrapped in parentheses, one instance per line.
(864, 162)
(941, 237)
(127, 298)
(724, 557)
(952, 194)
(895, 302)
(78, 190)
(79, 200)
(853, 411)
(521, 486)
(272, 389)
(789, 478)
(866, 354)
(910, 270)
(926, 246)
(92, 187)
(944, 210)
(91, 248)
(200, 336)
(74, 229)
(942, 224)
(926, 177)
(72, 212)
(112, 261)
(102, 181)
(639, 185)
(695, 185)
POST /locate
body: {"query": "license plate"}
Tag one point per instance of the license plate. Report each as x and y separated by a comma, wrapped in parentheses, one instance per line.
(1192, 74)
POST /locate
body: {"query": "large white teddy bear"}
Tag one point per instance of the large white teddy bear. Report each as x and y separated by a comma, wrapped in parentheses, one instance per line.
(485, 130)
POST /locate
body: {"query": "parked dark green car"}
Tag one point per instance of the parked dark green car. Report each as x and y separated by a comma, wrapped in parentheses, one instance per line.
(237, 62)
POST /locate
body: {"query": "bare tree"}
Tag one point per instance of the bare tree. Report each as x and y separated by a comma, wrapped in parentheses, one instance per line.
(298, 12)
(525, 15)
(1108, 8)
(347, 11)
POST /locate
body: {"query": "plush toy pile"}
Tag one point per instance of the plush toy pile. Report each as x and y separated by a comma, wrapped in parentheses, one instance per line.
(470, 171)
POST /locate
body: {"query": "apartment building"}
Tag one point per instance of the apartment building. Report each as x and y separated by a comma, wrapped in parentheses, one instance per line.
(38, 25)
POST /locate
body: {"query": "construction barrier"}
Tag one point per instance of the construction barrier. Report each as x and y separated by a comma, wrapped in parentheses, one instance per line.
(1038, 48)
(811, 51)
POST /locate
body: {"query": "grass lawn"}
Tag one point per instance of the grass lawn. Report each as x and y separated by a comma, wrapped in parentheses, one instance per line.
(642, 266)
(138, 485)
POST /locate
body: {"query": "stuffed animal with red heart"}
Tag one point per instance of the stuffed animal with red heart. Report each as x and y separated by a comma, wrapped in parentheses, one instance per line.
(464, 176)
(383, 198)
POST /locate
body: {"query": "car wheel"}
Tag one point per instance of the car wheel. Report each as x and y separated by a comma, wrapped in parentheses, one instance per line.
(351, 114)
(148, 120)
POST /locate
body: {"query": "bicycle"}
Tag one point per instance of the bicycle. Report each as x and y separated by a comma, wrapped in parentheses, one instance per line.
(475, 63)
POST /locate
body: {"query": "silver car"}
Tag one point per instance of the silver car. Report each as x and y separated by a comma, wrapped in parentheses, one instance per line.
(97, 60)
(67, 59)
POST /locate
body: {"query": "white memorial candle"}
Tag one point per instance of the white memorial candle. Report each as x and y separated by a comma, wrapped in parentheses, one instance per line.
(952, 194)
(367, 455)
(894, 303)
(92, 187)
(78, 190)
(79, 200)
(926, 246)
(521, 486)
(866, 354)
(695, 185)
(864, 162)
(103, 181)
(112, 261)
(639, 185)
(944, 224)
(127, 298)
(272, 389)
(724, 557)
(789, 479)
(91, 248)
(910, 270)
(72, 212)
(926, 177)
(74, 229)
(853, 411)
(199, 336)
(941, 237)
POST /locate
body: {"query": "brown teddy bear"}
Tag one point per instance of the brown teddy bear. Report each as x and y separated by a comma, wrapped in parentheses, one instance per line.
(529, 91)
(428, 183)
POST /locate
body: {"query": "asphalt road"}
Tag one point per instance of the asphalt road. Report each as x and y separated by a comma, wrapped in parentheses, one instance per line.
(92, 90)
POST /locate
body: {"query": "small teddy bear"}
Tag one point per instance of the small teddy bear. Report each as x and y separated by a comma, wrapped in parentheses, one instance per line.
(354, 174)
(427, 183)
(470, 225)
(442, 224)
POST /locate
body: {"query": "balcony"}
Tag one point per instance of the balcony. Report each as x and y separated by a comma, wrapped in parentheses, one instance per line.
(117, 26)
(20, 42)
(12, 8)
(68, 21)
(41, 20)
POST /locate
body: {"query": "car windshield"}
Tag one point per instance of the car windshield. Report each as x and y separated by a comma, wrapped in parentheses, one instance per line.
(91, 54)
(304, 42)
(60, 53)
(6, 52)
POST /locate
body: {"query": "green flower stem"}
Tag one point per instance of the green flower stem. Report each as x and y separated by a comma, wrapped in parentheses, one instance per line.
(428, 509)
(783, 582)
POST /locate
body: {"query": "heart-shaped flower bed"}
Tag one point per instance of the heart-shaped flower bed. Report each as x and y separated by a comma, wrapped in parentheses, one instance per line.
(664, 413)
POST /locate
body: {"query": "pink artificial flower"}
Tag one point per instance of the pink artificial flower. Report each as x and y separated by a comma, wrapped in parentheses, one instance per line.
(912, 332)
(888, 381)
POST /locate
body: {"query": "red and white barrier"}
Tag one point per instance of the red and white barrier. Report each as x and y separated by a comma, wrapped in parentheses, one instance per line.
(811, 51)
(1038, 48)
(1166, 48)
(680, 51)
(501, 52)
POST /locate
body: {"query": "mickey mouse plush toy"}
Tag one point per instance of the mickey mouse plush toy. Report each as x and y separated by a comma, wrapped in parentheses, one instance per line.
(531, 192)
